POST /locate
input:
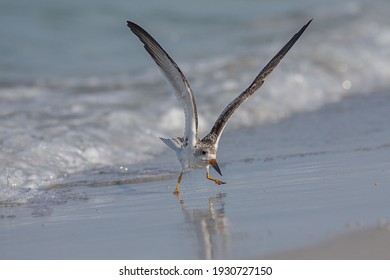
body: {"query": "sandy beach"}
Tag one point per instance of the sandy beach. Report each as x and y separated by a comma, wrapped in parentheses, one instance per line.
(370, 244)
(84, 175)
(315, 186)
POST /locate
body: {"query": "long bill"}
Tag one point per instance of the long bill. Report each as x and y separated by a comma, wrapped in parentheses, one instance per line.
(214, 164)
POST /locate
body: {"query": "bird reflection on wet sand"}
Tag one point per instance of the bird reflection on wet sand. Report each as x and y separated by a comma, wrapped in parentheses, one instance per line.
(211, 227)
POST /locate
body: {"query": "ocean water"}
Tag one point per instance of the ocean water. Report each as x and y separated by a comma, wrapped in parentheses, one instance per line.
(82, 103)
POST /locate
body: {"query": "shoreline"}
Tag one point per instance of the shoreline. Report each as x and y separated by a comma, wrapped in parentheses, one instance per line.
(294, 190)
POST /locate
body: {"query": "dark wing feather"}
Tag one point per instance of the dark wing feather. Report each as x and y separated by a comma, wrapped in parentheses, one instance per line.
(223, 118)
(176, 78)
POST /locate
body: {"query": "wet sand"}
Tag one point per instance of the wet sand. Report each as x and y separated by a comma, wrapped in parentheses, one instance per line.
(318, 181)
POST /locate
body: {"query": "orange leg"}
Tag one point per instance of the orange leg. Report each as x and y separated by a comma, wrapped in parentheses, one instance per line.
(218, 182)
(178, 184)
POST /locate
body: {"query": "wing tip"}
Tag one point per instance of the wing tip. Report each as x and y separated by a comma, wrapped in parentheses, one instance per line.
(133, 26)
(305, 26)
(130, 23)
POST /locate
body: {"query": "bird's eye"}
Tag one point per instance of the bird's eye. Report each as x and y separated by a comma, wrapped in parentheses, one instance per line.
(204, 152)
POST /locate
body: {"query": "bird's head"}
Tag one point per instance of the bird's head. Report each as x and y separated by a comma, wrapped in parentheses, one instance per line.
(208, 155)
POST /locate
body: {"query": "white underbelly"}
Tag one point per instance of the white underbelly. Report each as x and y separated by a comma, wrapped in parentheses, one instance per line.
(189, 161)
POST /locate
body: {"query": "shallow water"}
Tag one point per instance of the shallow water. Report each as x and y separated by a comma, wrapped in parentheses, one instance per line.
(280, 196)
(82, 107)
(71, 103)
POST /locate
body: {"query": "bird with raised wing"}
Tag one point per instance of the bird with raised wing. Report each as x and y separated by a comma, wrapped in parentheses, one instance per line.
(191, 151)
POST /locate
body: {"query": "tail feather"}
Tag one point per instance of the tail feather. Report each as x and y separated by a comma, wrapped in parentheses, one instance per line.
(174, 143)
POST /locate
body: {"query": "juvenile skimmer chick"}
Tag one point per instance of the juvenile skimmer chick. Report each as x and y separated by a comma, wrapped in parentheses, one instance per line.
(191, 151)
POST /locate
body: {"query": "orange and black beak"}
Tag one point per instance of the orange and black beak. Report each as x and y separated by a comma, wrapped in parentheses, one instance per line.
(214, 164)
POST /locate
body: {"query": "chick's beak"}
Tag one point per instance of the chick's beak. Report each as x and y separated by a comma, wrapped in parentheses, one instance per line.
(214, 164)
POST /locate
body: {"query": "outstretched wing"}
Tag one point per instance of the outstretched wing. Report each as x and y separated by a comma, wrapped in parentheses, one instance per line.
(223, 118)
(176, 78)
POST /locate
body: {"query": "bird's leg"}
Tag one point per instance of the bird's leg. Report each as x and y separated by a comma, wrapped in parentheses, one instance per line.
(218, 182)
(176, 192)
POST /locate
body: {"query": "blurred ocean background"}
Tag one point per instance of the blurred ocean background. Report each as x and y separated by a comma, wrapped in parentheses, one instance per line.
(82, 103)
